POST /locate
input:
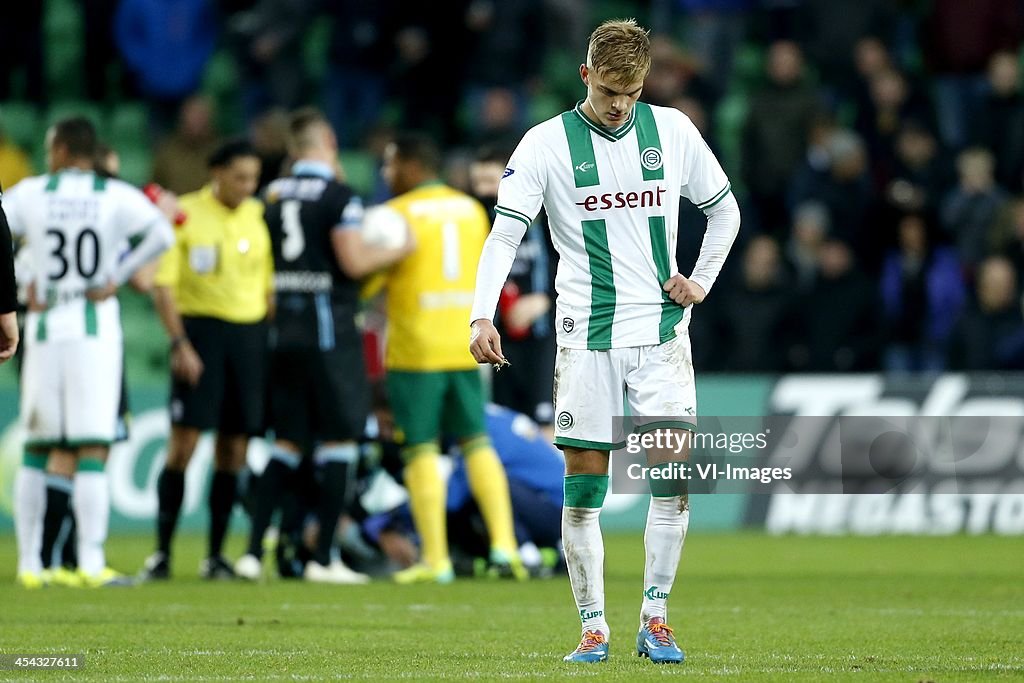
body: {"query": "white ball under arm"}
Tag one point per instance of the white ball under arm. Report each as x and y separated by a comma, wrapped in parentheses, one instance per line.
(723, 225)
(495, 263)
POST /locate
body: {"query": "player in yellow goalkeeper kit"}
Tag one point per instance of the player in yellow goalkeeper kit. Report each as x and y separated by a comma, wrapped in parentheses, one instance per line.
(433, 382)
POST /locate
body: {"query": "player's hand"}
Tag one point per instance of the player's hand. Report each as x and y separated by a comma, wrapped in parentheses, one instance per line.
(186, 363)
(527, 309)
(683, 291)
(8, 336)
(485, 342)
(101, 293)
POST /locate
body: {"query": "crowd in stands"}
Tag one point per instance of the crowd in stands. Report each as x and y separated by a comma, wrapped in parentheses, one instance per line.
(876, 146)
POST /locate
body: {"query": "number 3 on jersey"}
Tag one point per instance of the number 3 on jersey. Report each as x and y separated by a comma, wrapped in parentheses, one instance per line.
(294, 242)
(86, 253)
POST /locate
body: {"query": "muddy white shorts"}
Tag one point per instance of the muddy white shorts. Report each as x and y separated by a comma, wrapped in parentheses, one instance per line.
(593, 389)
(70, 390)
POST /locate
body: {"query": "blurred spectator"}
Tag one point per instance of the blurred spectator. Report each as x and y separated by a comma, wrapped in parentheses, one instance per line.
(21, 49)
(675, 73)
(968, 212)
(432, 50)
(830, 31)
(1008, 233)
(958, 40)
(775, 135)
(839, 328)
(14, 163)
(180, 162)
(567, 25)
(714, 31)
(502, 34)
(922, 296)
(845, 188)
(359, 58)
(754, 314)
(891, 101)
(990, 333)
(921, 173)
(99, 46)
(269, 137)
(267, 40)
(810, 228)
(166, 44)
(1000, 122)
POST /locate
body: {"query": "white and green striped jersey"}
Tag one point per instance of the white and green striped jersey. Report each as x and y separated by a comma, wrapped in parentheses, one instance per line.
(612, 200)
(75, 226)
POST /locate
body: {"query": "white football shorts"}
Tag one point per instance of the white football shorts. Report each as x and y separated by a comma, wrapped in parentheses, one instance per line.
(593, 388)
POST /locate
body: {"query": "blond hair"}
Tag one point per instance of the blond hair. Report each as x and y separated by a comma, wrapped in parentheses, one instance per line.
(304, 129)
(620, 50)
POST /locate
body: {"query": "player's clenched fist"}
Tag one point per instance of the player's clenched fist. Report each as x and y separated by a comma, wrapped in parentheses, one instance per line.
(683, 291)
(485, 342)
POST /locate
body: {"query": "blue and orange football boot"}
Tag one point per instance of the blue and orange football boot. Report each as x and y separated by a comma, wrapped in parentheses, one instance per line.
(656, 640)
(593, 648)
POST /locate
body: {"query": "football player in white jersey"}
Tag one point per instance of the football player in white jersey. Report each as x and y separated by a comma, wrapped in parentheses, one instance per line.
(610, 173)
(73, 224)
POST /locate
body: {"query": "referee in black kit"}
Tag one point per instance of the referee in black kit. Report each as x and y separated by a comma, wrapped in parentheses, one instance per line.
(319, 396)
(213, 291)
(8, 292)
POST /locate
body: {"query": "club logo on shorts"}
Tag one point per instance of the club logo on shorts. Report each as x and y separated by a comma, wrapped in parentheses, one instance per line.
(568, 324)
(650, 158)
(565, 421)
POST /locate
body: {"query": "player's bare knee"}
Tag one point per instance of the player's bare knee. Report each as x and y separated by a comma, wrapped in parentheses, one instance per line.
(61, 463)
(229, 452)
(585, 461)
(180, 447)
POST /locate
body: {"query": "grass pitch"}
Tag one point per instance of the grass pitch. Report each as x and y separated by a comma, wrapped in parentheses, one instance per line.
(745, 607)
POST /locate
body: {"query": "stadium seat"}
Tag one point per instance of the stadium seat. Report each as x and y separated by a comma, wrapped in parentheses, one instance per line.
(729, 119)
(128, 125)
(221, 77)
(21, 123)
(64, 108)
(544, 105)
(360, 171)
(136, 161)
(64, 48)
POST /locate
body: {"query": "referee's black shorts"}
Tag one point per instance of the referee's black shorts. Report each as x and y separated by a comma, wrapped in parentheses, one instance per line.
(230, 395)
(319, 396)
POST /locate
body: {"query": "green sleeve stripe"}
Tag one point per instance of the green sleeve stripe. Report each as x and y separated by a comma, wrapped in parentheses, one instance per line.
(509, 214)
(649, 143)
(602, 284)
(41, 327)
(585, 490)
(717, 198)
(52, 182)
(581, 151)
